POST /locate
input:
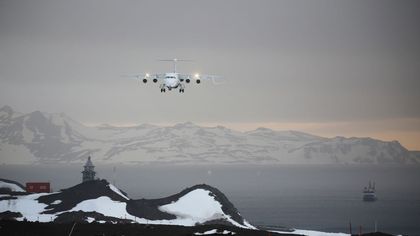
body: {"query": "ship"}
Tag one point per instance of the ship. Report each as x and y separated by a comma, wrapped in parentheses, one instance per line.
(369, 193)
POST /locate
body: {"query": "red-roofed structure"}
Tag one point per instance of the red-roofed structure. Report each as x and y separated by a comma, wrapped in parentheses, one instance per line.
(38, 187)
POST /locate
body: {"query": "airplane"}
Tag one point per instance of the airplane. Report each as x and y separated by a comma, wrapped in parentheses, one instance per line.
(174, 80)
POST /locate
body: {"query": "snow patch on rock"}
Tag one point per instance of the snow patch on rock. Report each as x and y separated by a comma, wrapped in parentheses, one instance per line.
(105, 206)
(116, 190)
(56, 202)
(214, 231)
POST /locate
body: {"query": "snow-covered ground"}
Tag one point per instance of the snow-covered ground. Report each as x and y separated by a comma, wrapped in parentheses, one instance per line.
(28, 206)
(311, 233)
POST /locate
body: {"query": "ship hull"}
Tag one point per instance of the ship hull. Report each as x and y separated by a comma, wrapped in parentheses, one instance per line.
(369, 197)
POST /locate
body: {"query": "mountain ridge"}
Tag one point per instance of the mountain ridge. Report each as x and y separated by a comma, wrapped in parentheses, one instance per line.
(38, 137)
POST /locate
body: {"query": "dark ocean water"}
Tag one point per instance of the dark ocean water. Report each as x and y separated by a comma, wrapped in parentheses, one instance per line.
(322, 198)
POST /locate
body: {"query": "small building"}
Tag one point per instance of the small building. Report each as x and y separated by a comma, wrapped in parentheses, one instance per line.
(88, 172)
(38, 187)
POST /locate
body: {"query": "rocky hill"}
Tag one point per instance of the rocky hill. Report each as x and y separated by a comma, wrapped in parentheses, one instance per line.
(40, 137)
(102, 202)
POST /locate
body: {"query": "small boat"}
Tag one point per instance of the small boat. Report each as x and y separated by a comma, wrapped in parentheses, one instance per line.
(369, 193)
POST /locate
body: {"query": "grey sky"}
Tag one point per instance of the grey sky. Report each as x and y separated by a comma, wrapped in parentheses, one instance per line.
(285, 61)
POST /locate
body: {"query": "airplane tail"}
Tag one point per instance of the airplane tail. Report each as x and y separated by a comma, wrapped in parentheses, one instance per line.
(175, 60)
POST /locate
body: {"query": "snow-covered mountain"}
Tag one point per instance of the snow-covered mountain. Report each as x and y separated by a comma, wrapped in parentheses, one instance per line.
(40, 137)
(101, 201)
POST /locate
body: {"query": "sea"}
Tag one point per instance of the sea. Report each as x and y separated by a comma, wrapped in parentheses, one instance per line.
(317, 197)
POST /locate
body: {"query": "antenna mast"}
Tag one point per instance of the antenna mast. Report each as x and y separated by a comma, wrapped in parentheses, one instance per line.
(114, 170)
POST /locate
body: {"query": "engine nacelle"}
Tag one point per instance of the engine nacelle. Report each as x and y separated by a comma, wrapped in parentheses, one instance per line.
(154, 80)
(144, 80)
(187, 80)
(198, 81)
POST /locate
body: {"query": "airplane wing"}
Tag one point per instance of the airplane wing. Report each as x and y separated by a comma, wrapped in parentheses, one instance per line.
(216, 79)
(145, 76)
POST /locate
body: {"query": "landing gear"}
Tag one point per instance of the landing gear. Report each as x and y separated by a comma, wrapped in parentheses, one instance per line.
(162, 88)
(181, 88)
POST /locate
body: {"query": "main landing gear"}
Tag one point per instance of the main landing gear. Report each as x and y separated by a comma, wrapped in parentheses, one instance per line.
(181, 88)
(162, 88)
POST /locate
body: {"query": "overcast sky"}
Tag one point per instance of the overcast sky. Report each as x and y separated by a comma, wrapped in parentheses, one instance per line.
(349, 68)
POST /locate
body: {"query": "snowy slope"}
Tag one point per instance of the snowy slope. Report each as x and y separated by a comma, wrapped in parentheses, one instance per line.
(188, 206)
(197, 206)
(55, 138)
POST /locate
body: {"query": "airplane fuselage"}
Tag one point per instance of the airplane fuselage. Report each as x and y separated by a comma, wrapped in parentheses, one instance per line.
(171, 80)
